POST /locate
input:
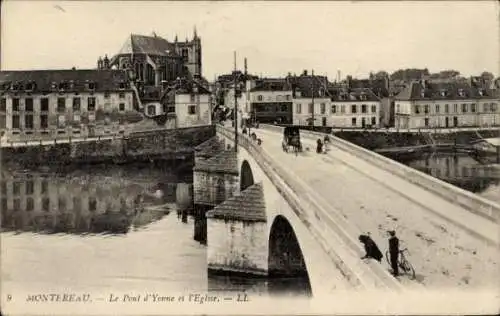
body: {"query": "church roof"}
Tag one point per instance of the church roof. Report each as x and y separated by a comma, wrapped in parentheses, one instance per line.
(150, 45)
(43, 80)
(248, 206)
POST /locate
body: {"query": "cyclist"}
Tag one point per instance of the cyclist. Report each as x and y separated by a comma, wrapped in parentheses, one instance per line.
(371, 248)
(394, 251)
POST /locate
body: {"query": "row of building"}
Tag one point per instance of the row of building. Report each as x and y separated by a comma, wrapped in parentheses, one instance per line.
(149, 77)
(313, 100)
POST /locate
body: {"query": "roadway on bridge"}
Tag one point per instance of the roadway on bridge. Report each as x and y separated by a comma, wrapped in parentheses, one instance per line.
(442, 253)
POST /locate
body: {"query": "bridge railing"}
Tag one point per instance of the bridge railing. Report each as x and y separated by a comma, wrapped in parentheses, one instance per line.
(314, 218)
(453, 194)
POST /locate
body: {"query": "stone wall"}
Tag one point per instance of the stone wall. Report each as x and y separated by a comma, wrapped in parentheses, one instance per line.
(164, 144)
(237, 246)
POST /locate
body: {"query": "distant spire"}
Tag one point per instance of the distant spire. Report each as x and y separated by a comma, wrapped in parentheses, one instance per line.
(195, 34)
(176, 39)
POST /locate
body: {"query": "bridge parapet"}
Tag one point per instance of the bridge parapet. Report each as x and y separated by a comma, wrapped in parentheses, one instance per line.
(340, 246)
(453, 194)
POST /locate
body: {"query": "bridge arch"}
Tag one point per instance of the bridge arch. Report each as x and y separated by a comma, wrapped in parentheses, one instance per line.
(246, 176)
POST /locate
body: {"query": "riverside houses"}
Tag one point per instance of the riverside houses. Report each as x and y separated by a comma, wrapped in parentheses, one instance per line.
(59, 104)
(357, 108)
(441, 105)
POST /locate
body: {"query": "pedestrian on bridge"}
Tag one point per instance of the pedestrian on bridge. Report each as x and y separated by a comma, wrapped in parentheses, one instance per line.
(371, 248)
(394, 252)
(319, 147)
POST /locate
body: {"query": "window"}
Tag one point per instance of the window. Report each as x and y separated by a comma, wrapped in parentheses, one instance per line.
(473, 107)
(76, 118)
(16, 188)
(299, 108)
(15, 121)
(353, 121)
(44, 121)
(46, 204)
(91, 86)
(61, 105)
(28, 102)
(77, 203)
(17, 204)
(437, 108)
(121, 95)
(446, 108)
(61, 121)
(398, 108)
(122, 106)
(30, 204)
(288, 97)
(76, 104)
(15, 104)
(3, 104)
(334, 109)
(426, 122)
(28, 121)
(426, 109)
(122, 85)
(44, 104)
(259, 97)
(310, 107)
(62, 203)
(374, 109)
(45, 186)
(3, 121)
(417, 109)
(374, 121)
(464, 107)
(353, 108)
(106, 94)
(363, 108)
(4, 188)
(323, 108)
(455, 108)
(91, 104)
(342, 109)
(192, 109)
(493, 107)
(92, 204)
(4, 203)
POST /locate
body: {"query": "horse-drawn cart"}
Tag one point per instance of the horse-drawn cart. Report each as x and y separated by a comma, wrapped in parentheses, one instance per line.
(291, 138)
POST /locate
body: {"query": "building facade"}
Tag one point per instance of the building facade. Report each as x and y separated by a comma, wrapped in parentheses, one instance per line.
(49, 104)
(445, 105)
(186, 103)
(269, 101)
(355, 108)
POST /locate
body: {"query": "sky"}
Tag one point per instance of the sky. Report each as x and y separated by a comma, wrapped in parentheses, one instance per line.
(353, 37)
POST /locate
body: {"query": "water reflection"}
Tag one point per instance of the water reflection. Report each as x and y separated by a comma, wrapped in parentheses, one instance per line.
(458, 169)
(101, 199)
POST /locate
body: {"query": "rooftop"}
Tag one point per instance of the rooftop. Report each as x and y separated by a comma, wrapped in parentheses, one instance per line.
(150, 45)
(357, 94)
(422, 90)
(67, 79)
(249, 206)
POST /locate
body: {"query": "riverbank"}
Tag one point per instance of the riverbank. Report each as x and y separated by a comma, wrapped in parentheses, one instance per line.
(160, 144)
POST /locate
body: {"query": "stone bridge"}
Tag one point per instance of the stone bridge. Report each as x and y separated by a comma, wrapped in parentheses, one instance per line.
(261, 221)
(267, 213)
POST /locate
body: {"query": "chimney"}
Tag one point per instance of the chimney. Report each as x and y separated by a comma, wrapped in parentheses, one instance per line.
(246, 70)
(305, 72)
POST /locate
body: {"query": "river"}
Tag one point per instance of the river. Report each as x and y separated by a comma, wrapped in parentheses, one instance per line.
(461, 170)
(110, 227)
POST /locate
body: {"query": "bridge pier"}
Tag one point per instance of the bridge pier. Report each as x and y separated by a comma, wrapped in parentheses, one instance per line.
(215, 178)
(237, 234)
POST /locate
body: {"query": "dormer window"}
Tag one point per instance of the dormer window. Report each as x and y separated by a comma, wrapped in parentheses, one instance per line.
(53, 85)
(62, 86)
(122, 85)
(71, 85)
(443, 93)
(30, 86)
(363, 96)
(14, 86)
(422, 93)
(461, 92)
(91, 86)
(481, 92)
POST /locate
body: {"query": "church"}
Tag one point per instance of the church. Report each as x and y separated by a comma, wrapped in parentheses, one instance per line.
(151, 60)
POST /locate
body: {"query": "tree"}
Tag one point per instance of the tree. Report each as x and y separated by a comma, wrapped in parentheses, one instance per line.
(488, 76)
(381, 74)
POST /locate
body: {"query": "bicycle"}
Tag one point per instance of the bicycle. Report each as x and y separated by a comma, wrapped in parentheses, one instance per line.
(403, 262)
